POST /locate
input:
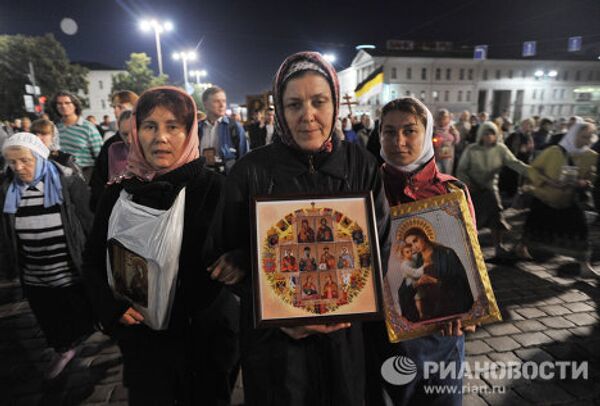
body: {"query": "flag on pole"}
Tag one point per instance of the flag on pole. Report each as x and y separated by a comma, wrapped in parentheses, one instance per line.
(372, 85)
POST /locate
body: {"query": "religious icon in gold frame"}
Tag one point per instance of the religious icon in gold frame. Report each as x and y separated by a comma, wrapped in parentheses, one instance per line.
(315, 260)
(436, 271)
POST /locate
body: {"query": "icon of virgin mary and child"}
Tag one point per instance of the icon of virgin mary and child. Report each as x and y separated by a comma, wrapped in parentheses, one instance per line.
(435, 283)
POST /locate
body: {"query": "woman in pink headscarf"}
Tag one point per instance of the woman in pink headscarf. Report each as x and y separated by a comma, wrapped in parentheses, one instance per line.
(163, 163)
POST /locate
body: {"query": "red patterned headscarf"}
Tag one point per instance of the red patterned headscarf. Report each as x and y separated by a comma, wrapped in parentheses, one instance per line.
(300, 62)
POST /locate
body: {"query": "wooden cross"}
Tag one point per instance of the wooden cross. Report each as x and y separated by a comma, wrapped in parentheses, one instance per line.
(348, 102)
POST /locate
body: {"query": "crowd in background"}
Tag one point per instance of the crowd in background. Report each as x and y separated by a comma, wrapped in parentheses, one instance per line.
(63, 180)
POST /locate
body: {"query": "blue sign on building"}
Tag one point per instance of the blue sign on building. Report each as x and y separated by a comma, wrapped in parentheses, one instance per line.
(480, 52)
(529, 48)
(574, 44)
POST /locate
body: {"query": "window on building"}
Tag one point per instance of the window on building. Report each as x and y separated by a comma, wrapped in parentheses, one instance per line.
(552, 109)
(459, 97)
(540, 109)
(590, 76)
(554, 94)
(498, 73)
(422, 95)
(510, 73)
(566, 75)
(461, 74)
(524, 73)
(560, 109)
(484, 75)
(562, 94)
(468, 95)
(470, 74)
(100, 84)
(408, 93)
(409, 73)
(578, 75)
(532, 109)
(448, 74)
(534, 94)
(446, 95)
(103, 104)
(598, 75)
(435, 95)
(542, 94)
(394, 73)
(423, 73)
(393, 94)
(438, 74)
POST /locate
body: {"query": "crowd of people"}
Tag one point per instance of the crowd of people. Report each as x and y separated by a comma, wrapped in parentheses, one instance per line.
(168, 188)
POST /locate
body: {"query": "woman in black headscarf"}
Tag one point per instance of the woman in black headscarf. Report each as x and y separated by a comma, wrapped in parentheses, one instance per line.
(306, 365)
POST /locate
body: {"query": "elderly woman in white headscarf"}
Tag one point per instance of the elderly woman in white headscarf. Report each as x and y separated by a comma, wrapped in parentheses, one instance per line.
(559, 175)
(44, 225)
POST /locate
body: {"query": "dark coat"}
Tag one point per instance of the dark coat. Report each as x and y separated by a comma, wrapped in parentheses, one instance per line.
(75, 215)
(322, 369)
(202, 194)
(100, 172)
(257, 135)
(159, 362)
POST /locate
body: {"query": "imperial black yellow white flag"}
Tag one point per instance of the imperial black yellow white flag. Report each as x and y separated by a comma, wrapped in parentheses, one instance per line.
(369, 87)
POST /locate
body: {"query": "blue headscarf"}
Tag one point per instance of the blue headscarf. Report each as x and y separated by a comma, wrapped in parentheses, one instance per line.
(46, 172)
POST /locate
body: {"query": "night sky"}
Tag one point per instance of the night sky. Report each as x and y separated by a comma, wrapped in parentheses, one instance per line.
(241, 43)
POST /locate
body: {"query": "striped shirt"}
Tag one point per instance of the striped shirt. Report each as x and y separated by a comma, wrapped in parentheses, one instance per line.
(43, 253)
(82, 140)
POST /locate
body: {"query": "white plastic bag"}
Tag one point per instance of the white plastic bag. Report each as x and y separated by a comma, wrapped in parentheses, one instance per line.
(144, 246)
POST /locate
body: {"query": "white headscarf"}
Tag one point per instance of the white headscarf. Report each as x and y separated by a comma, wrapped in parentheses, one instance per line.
(427, 148)
(568, 141)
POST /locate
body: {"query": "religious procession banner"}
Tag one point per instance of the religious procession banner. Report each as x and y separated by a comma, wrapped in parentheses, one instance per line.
(436, 271)
(316, 260)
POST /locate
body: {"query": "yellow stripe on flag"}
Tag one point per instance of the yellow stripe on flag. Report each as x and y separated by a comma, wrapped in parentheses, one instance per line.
(378, 79)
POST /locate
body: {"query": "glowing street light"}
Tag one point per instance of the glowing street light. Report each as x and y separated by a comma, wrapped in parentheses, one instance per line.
(158, 28)
(329, 57)
(539, 73)
(198, 74)
(553, 74)
(185, 56)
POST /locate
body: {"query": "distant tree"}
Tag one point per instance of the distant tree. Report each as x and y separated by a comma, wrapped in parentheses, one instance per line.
(53, 70)
(197, 95)
(139, 76)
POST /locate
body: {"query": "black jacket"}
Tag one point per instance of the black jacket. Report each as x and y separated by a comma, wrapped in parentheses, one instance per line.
(100, 172)
(323, 369)
(257, 135)
(195, 289)
(75, 215)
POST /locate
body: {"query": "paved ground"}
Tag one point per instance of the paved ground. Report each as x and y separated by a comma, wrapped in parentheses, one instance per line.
(549, 312)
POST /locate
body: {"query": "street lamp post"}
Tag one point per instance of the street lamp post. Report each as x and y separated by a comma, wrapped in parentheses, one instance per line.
(158, 28)
(185, 56)
(198, 74)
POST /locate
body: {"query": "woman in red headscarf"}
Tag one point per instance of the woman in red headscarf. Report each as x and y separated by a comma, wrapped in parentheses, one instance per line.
(315, 364)
(163, 163)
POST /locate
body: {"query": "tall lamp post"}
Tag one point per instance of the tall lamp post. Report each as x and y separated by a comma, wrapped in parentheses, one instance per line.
(147, 25)
(198, 74)
(185, 56)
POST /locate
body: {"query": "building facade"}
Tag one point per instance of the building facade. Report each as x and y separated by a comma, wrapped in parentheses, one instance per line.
(99, 86)
(523, 87)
